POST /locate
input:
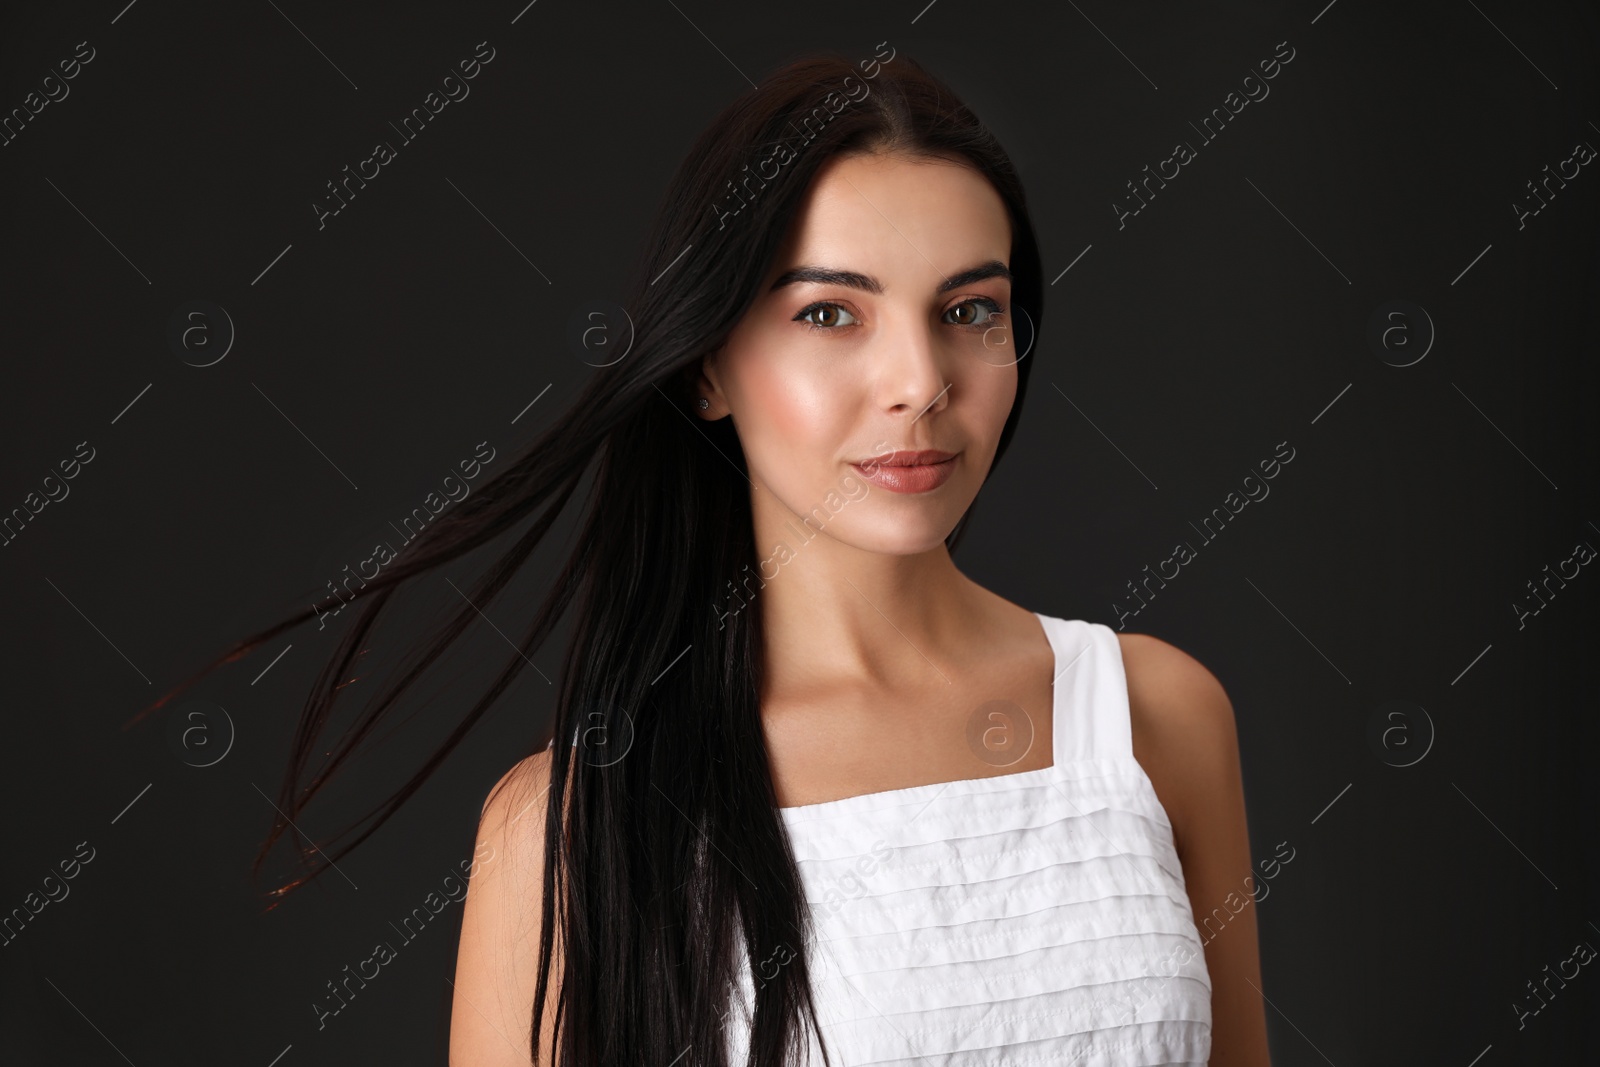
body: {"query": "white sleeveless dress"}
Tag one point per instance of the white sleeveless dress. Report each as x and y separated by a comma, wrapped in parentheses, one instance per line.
(1032, 918)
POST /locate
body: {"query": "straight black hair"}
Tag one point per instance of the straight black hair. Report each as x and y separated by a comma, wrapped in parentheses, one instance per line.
(658, 857)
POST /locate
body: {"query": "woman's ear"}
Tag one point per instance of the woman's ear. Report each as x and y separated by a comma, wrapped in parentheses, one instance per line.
(709, 402)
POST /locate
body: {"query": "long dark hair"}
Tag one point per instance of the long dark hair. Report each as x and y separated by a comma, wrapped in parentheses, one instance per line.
(680, 842)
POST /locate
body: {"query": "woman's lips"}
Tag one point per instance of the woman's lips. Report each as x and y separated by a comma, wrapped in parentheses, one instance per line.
(916, 478)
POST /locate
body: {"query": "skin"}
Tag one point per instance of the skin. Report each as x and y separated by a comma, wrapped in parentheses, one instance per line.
(879, 652)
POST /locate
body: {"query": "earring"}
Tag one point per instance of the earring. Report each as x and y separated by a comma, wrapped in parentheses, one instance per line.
(704, 403)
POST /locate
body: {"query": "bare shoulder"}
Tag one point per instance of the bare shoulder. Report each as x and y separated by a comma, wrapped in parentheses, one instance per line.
(513, 816)
(1185, 738)
(510, 800)
(1184, 734)
(497, 959)
(1170, 688)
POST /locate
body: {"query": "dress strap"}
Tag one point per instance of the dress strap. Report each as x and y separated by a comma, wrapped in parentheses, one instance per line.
(1090, 715)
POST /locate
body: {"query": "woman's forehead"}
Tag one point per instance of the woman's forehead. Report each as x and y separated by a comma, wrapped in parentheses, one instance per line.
(891, 217)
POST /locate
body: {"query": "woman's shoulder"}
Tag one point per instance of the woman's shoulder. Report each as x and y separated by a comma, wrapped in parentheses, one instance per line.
(1183, 728)
(513, 813)
(498, 950)
(531, 774)
(1163, 672)
(1174, 701)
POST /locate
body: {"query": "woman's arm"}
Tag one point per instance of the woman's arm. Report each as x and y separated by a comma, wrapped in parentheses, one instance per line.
(1184, 737)
(499, 951)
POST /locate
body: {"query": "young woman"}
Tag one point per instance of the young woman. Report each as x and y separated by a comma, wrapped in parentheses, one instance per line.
(809, 791)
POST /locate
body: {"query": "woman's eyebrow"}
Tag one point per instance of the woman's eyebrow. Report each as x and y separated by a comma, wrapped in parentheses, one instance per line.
(856, 280)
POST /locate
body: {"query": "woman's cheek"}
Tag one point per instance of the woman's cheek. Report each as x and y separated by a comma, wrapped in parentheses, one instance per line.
(797, 406)
(998, 385)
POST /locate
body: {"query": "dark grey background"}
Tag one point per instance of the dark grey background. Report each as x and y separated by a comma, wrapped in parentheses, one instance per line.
(1230, 315)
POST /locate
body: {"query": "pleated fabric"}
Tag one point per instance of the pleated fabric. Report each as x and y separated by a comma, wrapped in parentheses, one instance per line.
(1034, 918)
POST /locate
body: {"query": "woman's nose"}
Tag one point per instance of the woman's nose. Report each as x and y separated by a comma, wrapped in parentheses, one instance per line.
(913, 376)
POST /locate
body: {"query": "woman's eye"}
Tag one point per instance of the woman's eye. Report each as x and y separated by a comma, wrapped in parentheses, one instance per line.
(980, 311)
(825, 316)
(975, 312)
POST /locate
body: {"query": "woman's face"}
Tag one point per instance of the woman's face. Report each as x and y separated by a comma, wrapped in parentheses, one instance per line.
(884, 326)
